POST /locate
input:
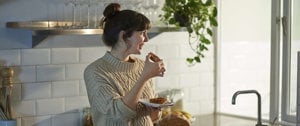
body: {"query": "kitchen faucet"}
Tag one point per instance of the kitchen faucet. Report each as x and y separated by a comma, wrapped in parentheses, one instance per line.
(258, 103)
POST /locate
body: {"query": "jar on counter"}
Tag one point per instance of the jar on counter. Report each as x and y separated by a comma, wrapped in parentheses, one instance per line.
(87, 117)
(176, 96)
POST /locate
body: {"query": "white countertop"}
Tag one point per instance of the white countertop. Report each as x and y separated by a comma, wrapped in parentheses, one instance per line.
(226, 120)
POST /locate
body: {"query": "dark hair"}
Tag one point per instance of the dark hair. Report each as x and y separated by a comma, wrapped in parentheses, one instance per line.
(116, 20)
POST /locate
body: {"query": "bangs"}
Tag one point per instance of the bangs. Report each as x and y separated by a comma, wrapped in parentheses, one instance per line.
(143, 23)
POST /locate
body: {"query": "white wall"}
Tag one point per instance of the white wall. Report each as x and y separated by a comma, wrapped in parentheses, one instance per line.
(48, 85)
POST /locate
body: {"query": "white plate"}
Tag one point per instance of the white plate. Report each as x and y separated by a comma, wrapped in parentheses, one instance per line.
(148, 103)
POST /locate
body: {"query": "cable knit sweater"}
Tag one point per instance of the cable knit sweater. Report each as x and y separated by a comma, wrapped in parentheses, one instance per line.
(107, 80)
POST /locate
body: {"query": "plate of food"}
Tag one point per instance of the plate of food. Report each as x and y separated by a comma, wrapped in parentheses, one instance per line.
(156, 102)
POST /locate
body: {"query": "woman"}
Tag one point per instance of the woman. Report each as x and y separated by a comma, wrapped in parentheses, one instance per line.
(116, 81)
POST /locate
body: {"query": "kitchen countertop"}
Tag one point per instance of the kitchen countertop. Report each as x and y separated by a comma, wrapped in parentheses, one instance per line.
(226, 120)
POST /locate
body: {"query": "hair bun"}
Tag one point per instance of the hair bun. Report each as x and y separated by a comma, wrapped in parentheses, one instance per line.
(111, 10)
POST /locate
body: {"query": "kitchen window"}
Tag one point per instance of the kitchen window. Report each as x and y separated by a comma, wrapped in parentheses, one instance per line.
(256, 52)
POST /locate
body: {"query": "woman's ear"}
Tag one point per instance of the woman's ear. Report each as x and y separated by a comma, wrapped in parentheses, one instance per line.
(122, 36)
(122, 39)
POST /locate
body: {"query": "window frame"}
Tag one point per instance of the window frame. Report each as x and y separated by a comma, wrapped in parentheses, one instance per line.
(286, 63)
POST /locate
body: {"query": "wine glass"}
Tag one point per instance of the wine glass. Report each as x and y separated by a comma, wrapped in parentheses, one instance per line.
(81, 11)
(66, 13)
(146, 6)
(74, 4)
(154, 6)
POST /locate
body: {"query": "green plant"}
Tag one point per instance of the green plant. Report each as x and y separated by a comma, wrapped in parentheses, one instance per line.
(198, 17)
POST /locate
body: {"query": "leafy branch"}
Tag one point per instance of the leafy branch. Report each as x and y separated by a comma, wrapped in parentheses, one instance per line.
(198, 17)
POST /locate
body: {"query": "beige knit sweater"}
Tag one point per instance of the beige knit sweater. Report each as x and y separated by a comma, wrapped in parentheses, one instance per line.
(107, 80)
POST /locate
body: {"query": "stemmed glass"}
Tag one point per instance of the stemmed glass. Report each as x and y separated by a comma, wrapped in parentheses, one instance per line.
(74, 4)
(88, 13)
(65, 13)
(97, 13)
(146, 6)
(84, 16)
(135, 4)
(81, 12)
(154, 5)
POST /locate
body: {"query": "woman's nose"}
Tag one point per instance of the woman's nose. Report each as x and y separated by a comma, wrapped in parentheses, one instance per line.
(146, 38)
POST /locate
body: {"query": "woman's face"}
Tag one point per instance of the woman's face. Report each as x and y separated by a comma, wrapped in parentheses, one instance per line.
(136, 41)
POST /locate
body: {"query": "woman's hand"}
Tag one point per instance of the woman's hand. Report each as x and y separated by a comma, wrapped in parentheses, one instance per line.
(152, 69)
(155, 114)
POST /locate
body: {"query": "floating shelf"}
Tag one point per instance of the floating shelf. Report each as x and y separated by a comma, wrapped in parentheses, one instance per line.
(42, 29)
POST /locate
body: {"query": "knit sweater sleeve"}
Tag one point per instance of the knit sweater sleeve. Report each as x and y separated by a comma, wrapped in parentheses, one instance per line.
(104, 98)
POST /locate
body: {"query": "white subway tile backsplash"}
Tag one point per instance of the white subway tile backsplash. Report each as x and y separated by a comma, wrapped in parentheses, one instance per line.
(190, 80)
(186, 93)
(206, 107)
(75, 71)
(199, 108)
(24, 74)
(185, 51)
(76, 103)
(35, 56)
(50, 87)
(88, 55)
(191, 107)
(65, 88)
(68, 119)
(16, 94)
(168, 81)
(50, 106)
(64, 55)
(202, 93)
(36, 121)
(206, 66)
(165, 50)
(25, 108)
(176, 38)
(146, 49)
(206, 79)
(172, 68)
(50, 72)
(180, 66)
(36, 90)
(10, 57)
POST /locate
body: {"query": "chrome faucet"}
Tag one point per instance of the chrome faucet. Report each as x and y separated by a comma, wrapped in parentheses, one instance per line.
(259, 123)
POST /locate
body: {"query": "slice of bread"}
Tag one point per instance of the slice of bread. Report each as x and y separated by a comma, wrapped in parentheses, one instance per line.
(154, 57)
(159, 100)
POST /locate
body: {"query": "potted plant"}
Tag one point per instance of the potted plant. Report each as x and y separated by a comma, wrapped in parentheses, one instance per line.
(198, 17)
